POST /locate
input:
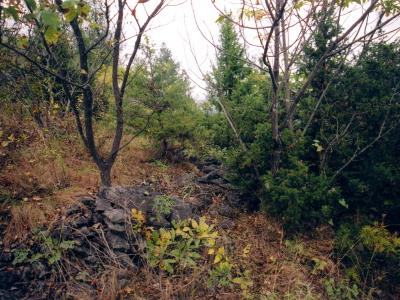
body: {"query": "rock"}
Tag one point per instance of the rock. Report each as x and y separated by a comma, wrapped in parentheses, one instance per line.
(80, 222)
(89, 202)
(7, 279)
(91, 260)
(227, 224)
(6, 295)
(141, 199)
(74, 209)
(210, 176)
(117, 243)
(116, 216)
(219, 181)
(181, 211)
(211, 161)
(115, 227)
(155, 222)
(124, 259)
(102, 204)
(209, 168)
(129, 197)
(227, 211)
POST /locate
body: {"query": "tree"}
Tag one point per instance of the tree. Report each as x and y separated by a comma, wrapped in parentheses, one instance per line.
(71, 19)
(225, 81)
(284, 29)
(161, 92)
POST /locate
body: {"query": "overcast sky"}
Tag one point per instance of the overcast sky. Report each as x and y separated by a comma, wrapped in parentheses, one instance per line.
(177, 28)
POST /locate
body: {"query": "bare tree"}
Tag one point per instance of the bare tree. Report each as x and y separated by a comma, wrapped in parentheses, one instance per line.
(114, 34)
(284, 29)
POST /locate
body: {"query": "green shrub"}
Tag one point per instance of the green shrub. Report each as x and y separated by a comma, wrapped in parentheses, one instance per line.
(371, 255)
(179, 248)
(300, 198)
(50, 249)
(162, 206)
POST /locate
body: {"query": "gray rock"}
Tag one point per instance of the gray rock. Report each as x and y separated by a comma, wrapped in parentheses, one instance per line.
(80, 222)
(74, 209)
(227, 224)
(116, 216)
(142, 199)
(210, 176)
(209, 168)
(219, 181)
(89, 202)
(227, 211)
(129, 197)
(124, 259)
(181, 211)
(117, 243)
(102, 204)
(115, 227)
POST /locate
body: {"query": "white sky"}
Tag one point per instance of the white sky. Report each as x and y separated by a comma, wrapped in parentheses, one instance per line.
(177, 28)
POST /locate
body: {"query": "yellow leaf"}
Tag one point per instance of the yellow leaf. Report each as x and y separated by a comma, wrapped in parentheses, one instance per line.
(5, 144)
(246, 250)
(221, 250)
(211, 242)
(211, 251)
(194, 224)
(217, 258)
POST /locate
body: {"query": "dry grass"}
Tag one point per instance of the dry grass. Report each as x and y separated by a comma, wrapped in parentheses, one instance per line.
(51, 171)
(24, 219)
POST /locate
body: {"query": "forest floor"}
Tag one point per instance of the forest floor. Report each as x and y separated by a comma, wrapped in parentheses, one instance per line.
(44, 172)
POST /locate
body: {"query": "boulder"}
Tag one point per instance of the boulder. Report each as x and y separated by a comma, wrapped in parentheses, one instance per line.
(116, 216)
(117, 242)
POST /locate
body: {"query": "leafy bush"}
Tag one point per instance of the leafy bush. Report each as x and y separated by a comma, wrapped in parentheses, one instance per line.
(301, 198)
(341, 290)
(371, 255)
(179, 248)
(50, 249)
(162, 206)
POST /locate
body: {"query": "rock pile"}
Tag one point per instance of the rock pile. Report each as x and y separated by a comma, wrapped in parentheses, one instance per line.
(103, 226)
(215, 175)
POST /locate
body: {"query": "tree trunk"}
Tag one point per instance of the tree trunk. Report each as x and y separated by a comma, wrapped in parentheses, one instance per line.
(105, 175)
(164, 147)
(276, 155)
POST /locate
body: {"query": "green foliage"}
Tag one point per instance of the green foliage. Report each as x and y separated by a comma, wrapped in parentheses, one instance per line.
(162, 206)
(161, 101)
(371, 255)
(178, 248)
(341, 290)
(378, 239)
(50, 249)
(221, 275)
(302, 199)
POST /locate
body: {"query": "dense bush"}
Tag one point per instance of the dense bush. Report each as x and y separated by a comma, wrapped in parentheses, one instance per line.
(300, 198)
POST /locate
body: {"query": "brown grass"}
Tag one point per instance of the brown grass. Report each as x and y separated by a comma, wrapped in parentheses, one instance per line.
(51, 170)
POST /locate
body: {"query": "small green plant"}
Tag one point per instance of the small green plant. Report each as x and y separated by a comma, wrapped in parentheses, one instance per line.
(50, 249)
(220, 275)
(341, 290)
(162, 206)
(179, 248)
(378, 239)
